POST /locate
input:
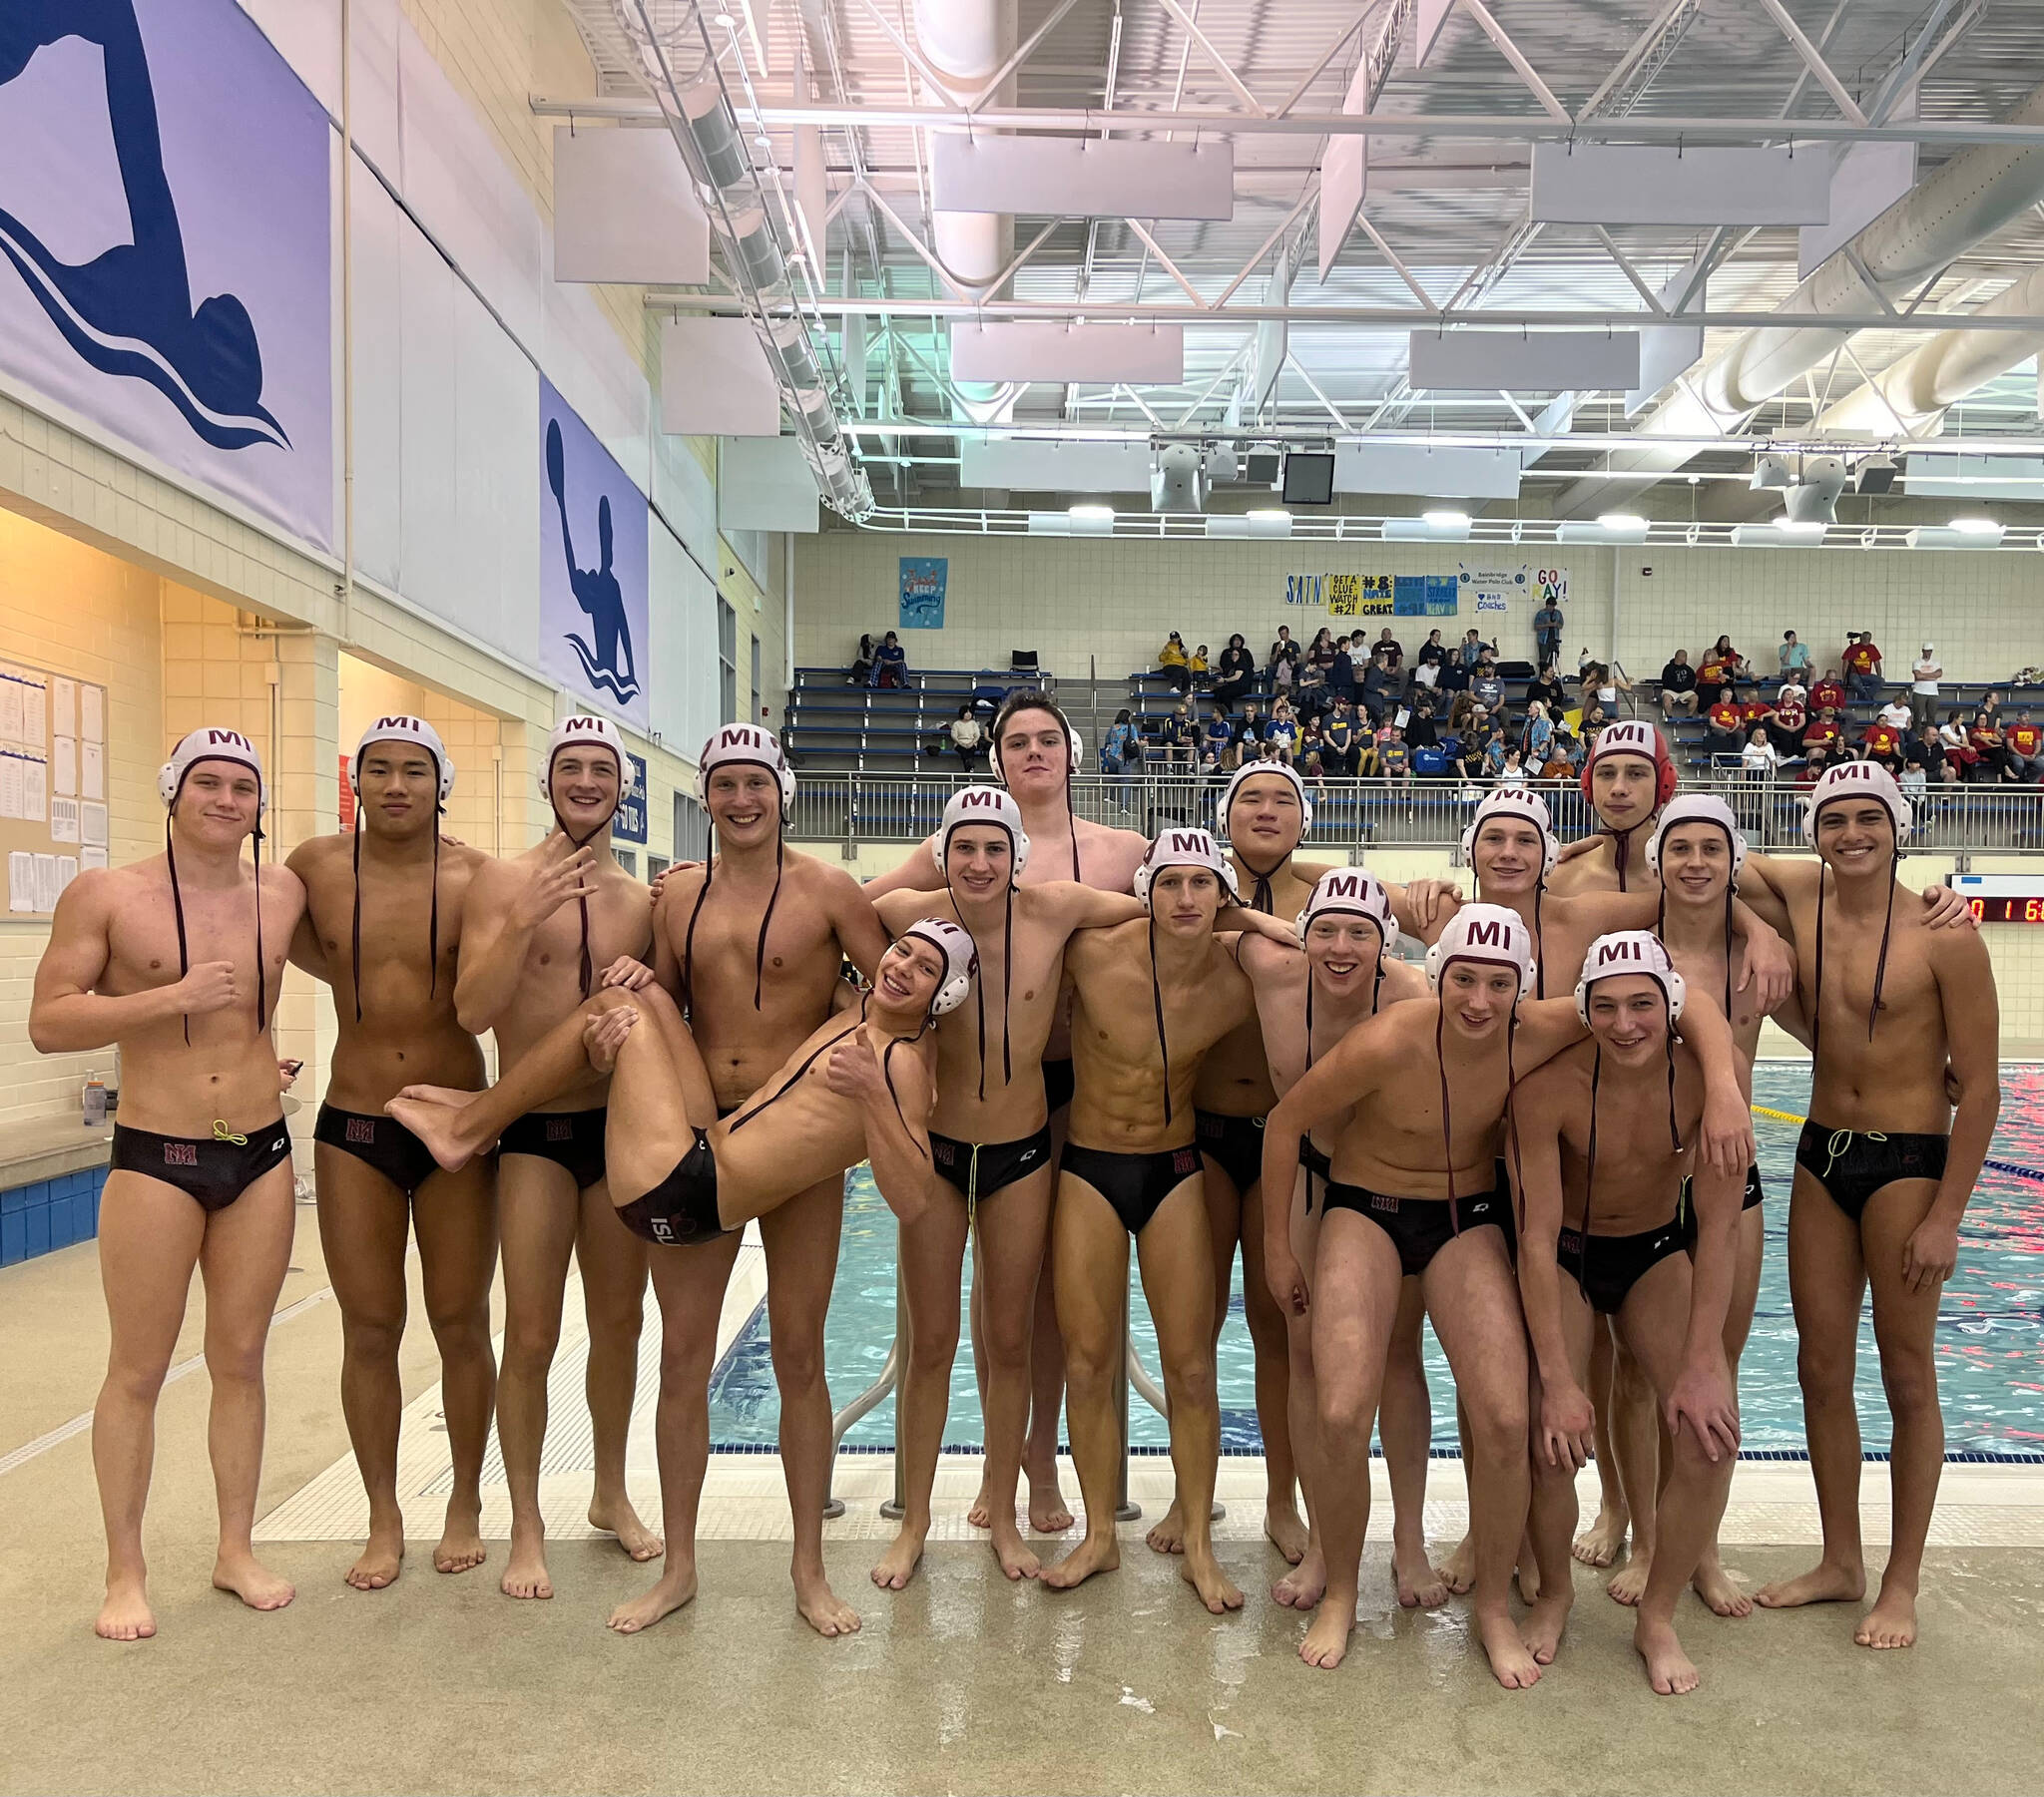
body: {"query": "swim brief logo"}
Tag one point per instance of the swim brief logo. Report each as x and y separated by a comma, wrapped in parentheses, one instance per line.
(127, 311)
(661, 1230)
(1185, 1161)
(1379, 1201)
(560, 1129)
(181, 1154)
(361, 1128)
(596, 590)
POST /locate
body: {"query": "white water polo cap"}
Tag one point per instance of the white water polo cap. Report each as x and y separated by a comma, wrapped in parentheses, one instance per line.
(1349, 892)
(992, 808)
(1694, 809)
(961, 959)
(210, 744)
(1527, 807)
(1630, 952)
(1263, 771)
(403, 728)
(1858, 780)
(581, 731)
(1185, 848)
(744, 746)
(1492, 934)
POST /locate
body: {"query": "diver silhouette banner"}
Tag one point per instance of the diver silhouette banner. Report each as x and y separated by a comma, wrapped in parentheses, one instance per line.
(165, 266)
(592, 566)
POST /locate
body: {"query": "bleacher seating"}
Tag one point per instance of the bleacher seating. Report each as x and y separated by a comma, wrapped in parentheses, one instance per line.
(834, 725)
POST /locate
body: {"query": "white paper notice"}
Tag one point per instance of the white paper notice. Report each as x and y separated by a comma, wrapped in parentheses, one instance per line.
(10, 784)
(35, 716)
(92, 768)
(64, 765)
(35, 788)
(46, 882)
(91, 857)
(63, 707)
(92, 713)
(21, 881)
(62, 820)
(92, 822)
(67, 871)
(11, 690)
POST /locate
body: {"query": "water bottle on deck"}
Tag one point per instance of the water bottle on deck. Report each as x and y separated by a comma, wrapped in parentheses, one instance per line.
(95, 1101)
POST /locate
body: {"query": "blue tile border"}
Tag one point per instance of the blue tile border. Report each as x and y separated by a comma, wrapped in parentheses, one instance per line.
(47, 1215)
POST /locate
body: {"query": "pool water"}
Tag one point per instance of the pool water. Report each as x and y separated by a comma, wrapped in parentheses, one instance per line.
(1990, 1345)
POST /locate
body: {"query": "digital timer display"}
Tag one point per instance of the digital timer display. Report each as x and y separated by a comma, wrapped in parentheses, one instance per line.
(2001, 898)
(2007, 910)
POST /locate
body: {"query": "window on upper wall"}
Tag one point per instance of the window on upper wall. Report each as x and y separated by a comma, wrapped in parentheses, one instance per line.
(728, 662)
(756, 681)
(692, 829)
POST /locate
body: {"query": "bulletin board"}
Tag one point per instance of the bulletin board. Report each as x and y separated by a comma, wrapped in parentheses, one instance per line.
(53, 783)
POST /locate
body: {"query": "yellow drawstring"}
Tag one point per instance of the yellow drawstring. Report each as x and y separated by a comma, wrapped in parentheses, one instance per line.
(1840, 1141)
(220, 1132)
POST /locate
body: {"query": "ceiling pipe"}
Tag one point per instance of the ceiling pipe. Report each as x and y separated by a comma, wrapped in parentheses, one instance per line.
(1969, 200)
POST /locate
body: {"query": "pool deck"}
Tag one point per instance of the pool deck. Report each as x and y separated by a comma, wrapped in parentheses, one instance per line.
(443, 1684)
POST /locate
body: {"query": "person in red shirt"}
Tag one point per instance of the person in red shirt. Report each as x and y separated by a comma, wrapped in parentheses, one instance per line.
(1828, 691)
(1881, 742)
(1726, 728)
(2025, 743)
(1714, 677)
(1789, 721)
(1862, 666)
(1755, 712)
(1822, 732)
(1988, 743)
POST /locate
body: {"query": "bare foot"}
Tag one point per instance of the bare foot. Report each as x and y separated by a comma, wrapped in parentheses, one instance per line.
(1218, 1593)
(433, 1114)
(1093, 1554)
(822, 1607)
(1420, 1585)
(1542, 1630)
(675, 1587)
(1529, 1577)
(1629, 1583)
(1326, 1641)
(981, 1515)
(251, 1581)
(1511, 1663)
(615, 1515)
(1822, 1583)
(1891, 1622)
(1048, 1512)
(383, 1556)
(460, 1546)
(1668, 1670)
(1168, 1535)
(1599, 1544)
(897, 1566)
(1719, 1589)
(1458, 1570)
(126, 1616)
(1014, 1553)
(525, 1571)
(1287, 1534)
(1303, 1586)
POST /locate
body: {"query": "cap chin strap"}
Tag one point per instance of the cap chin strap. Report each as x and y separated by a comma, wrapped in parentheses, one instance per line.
(581, 842)
(433, 923)
(979, 986)
(1880, 966)
(1375, 995)
(178, 907)
(758, 952)
(1157, 998)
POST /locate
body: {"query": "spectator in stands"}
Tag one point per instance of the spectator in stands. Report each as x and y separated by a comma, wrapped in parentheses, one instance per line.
(1561, 758)
(1394, 757)
(1173, 663)
(1991, 704)
(1813, 765)
(1312, 698)
(1536, 734)
(1310, 769)
(2025, 743)
(1959, 753)
(1755, 712)
(1432, 652)
(1545, 689)
(1759, 759)
(1312, 742)
(1548, 623)
(1923, 679)
(1717, 676)
(1379, 689)
(1122, 751)
(1178, 736)
(967, 736)
(1897, 712)
(1249, 730)
(1472, 648)
(1457, 672)
(1282, 730)
(1882, 740)
(1235, 674)
(1823, 731)
(1321, 652)
(1827, 693)
(1912, 780)
(1599, 682)
(1926, 752)
(891, 663)
(1791, 720)
(1988, 742)
(1677, 687)
(1218, 734)
(1494, 754)
(1341, 672)
(1794, 655)
(1391, 647)
(1339, 749)
(1724, 728)
(1487, 684)
(1862, 666)
(1282, 666)
(1513, 773)
(1202, 675)
(1423, 729)
(862, 662)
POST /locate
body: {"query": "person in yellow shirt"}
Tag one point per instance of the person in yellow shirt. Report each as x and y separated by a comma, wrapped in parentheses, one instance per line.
(1173, 662)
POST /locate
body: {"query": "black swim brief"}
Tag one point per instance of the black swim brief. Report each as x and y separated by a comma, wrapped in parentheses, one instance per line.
(1852, 1165)
(214, 1170)
(378, 1141)
(681, 1211)
(1135, 1184)
(1756, 1197)
(1319, 1168)
(1607, 1268)
(1059, 1083)
(1235, 1144)
(570, 1138)
(980, 1168)
(1421, 1227)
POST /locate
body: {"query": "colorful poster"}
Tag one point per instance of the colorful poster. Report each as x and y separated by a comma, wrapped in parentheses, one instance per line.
(1505, 590)
(164, 263)
(592, 566)
(923, 580)
(1305, 590)
(1426, 596)
(630, 823)
(1360, 595)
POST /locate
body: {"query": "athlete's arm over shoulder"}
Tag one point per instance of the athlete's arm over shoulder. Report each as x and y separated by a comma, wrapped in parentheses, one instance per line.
(919, 872)
(857, 925)
(307, 953)
(1972, 1029)
(1538, 1108)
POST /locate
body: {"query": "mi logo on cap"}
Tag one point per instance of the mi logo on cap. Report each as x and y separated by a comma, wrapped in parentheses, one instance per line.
(1187, 842)
(979, 799)
(394, 723)
(1608, 952)
(572, 726)
(1490, 933)
(1345, 886)
(229, 739)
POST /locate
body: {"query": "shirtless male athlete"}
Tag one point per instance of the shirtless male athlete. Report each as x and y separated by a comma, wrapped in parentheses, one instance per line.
(540, 927)
(752, 946)
(990, 1140)
(1894, 1007)
(383, 906)
(1414, 1193)
(681, 1176)
(1034, 753)
(200, 1166)
(1614, 1194)
(1150, 1000)
(1307, 1002)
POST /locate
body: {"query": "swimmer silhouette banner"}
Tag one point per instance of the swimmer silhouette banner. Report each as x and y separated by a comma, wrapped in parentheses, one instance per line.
(591, 565)
(165, 267)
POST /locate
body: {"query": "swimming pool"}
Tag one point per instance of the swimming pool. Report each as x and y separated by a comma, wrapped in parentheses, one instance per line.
(1990, 1329)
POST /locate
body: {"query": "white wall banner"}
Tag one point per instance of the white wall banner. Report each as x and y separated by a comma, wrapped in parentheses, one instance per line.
(1506, 589)
(164, 263)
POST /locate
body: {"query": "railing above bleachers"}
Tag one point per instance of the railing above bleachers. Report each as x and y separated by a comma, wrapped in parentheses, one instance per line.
(850, 807)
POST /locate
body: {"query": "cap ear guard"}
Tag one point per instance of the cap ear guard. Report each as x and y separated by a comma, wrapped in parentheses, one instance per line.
(1697, 807)
(1185, 848)
(403, 728)
(962, 961)
(746, 744)
(993, 806)
(1349, 892)
(1527, 806)
(1252, 770)
(1621, 952)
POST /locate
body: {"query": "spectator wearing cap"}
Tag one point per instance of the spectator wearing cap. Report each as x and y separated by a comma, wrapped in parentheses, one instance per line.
(1487, 684)
(1863, 667)
(1827, 692)
(1793, 655)
(1548, 625)
(1823, 731)
(1679, 687)
(1173, 663)
(1923, 679)
(890, 663)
